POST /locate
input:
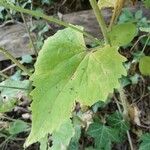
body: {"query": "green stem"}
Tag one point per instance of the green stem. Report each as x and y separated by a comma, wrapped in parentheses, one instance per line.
(29, 33)
(100, 20)
(48, 18)
(4, 75)
(13, 87)
(123, 100)
(148, 38)
(13, 59)
(125, 115)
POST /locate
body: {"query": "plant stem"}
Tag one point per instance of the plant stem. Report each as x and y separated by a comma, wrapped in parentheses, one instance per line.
(3, 75)
(48, 18)
(123, 100)
(30, 37)
(148, 39)
(100, 20)
(124, 117)
(13, 59)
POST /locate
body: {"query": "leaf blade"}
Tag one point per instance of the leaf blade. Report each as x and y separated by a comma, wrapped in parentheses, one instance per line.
(64, 73)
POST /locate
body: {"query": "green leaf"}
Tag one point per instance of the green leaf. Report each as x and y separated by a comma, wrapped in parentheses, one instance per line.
(66, 72)
(144, 65)
(103, 135)
(62, 137)
(145, 29)
(145, 145)
(12, 89)
(27, 59)
(126, 16)
(138, 14)
(17, 127)
(122, 34)
(146, 3)
(74, 143)
(44, 143)
(116, 120)
(6, 106)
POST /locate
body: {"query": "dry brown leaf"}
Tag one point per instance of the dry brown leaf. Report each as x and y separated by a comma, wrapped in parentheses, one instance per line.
(134, 114)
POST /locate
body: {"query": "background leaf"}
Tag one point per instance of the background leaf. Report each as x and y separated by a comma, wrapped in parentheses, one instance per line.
(103, 135)
(145, 145)
(144, 65)
(122, 34)
(17, 126)
(116, 121)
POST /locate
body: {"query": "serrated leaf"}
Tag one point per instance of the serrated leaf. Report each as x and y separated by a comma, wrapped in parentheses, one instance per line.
(66, 72)
(144, 65)
(103, 135)
(62, 137)
(145, 145)
(122, 34)
(116, 120)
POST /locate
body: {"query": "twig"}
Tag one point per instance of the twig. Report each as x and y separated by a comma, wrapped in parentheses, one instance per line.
(13, 59)
(4, 75)
(30, 37)
(8, 68)
(100, 20)
(138, 40)
(148, 38)
(130, 140)
(123, 100)
(13, 87)
(124, 113)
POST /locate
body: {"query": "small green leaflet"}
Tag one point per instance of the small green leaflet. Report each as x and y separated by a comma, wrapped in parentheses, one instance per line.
(66, 72)
(122, 34)
(145, 144)
(144, 65)
(103, 135)
(62, 137)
